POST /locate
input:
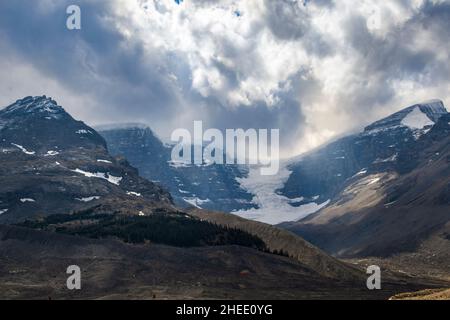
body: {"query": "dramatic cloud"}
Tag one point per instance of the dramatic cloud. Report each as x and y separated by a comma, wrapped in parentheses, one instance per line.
(314, 68)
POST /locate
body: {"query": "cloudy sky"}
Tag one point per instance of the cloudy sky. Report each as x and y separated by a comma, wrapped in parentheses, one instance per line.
(315, 69)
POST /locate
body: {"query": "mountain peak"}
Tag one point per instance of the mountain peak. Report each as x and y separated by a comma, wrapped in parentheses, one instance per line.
(39, 124)
(41, 105)
(434, 109)
(417, 116)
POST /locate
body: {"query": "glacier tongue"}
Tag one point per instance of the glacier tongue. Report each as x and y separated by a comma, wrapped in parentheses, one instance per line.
(273, 207)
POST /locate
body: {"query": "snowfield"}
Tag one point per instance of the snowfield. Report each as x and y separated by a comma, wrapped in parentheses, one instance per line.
(416, 119)
(272, 207)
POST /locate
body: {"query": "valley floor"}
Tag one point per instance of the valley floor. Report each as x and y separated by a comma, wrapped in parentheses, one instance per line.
(431, 259)
(114, 270)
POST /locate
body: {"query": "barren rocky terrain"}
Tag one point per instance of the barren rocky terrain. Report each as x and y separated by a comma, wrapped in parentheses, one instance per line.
(114, 270)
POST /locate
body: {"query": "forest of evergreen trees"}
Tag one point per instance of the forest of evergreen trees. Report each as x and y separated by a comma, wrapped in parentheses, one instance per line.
(171, 229)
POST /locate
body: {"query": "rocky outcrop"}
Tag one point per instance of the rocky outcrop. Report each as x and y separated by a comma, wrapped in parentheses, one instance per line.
(53, 164)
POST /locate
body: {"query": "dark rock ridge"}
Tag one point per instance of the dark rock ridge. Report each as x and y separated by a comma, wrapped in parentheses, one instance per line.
(51, 163)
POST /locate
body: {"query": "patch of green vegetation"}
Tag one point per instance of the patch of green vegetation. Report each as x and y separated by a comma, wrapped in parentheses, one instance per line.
(178, 230)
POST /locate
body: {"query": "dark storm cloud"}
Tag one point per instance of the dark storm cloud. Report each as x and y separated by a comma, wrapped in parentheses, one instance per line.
(122, 76)
(286, 117)
(435, 18)
(286, 114)
(286, 19)
(383, 60)
(385, 55)
(95, 60)
(320, 3)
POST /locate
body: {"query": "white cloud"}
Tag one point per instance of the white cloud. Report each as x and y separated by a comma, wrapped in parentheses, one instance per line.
(340, 65)
(240, 61)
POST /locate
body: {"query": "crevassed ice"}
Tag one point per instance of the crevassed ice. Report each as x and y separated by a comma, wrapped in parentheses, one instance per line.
(273, 208)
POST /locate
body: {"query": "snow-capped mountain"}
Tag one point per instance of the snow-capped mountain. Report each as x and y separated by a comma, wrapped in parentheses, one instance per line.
(39, 124)
(323, 172)
(214, 187)
(228, 188)
(65, 199)
(418, 118)
(304, 184)
(52, 163)
(380, 192)
(403, 207)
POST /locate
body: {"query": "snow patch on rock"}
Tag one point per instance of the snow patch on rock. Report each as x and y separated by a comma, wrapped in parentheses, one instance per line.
(88, 199)
(100, 175)
(196, 202)
(23, 149)
(23, 200)
(136, 194)
(51, 153)
(416, 119)
(83, 131)
(104, 161)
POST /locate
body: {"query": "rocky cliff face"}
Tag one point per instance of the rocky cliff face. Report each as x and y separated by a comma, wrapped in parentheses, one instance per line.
(52, 164)
(206, 186)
